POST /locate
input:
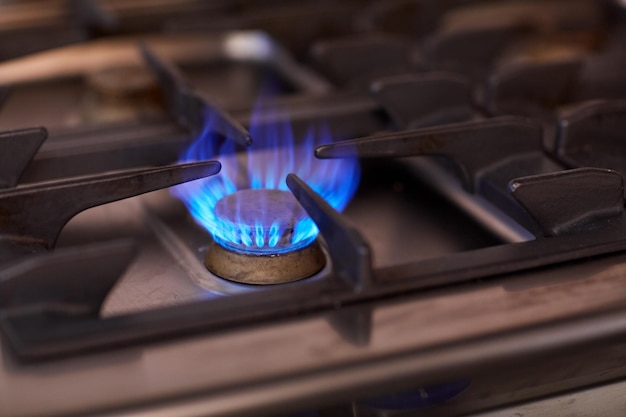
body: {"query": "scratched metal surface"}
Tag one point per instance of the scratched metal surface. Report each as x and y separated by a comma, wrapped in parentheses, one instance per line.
(603, 401)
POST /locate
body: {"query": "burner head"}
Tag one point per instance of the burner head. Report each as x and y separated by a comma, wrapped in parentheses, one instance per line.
(260, 225)
(259, 220)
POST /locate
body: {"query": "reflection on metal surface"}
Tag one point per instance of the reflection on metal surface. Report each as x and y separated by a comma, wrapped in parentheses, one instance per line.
(606, 401)
(249, 46)
(400, 403)
(479, 209)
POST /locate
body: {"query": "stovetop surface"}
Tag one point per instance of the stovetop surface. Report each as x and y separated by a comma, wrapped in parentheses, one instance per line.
(398, 214)
(483, 248)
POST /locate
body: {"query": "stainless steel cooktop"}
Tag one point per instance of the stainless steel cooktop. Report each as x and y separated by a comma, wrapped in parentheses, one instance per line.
(478, 269)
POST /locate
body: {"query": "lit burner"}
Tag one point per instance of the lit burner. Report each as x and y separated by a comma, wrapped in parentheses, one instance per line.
(261, 226)
(261, 234)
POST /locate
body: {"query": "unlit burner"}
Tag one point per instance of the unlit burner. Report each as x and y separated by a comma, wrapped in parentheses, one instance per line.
(260, 224)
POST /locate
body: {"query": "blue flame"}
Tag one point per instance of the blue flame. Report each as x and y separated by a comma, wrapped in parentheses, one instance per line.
(265, 165)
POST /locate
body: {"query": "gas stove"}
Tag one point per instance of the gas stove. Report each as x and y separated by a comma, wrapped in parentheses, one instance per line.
(355, 208)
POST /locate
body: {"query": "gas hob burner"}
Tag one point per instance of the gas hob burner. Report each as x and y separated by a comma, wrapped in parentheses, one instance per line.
(261, 224)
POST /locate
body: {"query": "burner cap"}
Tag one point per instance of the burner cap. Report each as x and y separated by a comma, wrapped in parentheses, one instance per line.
(259, 220)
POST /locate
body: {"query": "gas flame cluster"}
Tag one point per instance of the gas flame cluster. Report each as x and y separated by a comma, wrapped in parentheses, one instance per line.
(275, 152)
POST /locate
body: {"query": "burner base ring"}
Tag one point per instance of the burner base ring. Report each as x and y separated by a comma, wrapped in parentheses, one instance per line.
(264, 268)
